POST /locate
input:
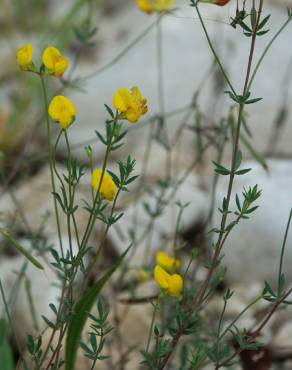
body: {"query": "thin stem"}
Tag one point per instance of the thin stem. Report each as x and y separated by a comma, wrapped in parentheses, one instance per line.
(214, 51)
(266, 51)
(239, 316)
(71, 200)
(97, 197)
(282, 253)
(51, 161)
(155, 308)
(256, 332)
(219, 245)
(160, 86)
(123, 52)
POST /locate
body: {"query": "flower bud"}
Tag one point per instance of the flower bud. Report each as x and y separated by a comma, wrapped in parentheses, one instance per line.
(54, 61)
(24, 57)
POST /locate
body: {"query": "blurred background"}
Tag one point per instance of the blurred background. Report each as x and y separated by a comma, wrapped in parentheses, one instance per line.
(110, 44)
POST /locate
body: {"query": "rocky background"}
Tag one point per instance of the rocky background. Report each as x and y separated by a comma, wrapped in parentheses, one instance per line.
(253, 250)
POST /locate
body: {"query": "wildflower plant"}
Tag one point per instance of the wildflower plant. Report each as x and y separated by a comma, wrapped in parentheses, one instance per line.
(181, 335)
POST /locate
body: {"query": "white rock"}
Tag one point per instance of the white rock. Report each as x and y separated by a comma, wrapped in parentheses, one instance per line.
(188, 192)
(282, 341)
(42, 289)
(185, 53)
(252, 250)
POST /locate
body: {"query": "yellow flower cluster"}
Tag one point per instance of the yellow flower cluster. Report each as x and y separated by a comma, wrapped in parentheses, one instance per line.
(62, 110)
(107, 188)
(54, 62)
(150, 6)
(170, 283)
(130, 103)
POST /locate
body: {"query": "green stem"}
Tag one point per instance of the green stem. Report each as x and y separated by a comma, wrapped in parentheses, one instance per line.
(71, 200)
(152, 325)
(123, 52)
(97, 199)
(266, 51)
(239, 316)
(282, 253)
(51, 161)
(214, 51)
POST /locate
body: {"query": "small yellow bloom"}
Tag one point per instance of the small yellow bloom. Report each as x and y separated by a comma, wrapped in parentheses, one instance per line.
(62, 110)
(171, 284)
(55, 62)
(131, 103)
(168, 263)
(108, 188)
(24, 56)
(145, 5)
(149, 6)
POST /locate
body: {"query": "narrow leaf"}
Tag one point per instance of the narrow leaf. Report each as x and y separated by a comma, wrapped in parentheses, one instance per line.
(81, 311)
(20, 249)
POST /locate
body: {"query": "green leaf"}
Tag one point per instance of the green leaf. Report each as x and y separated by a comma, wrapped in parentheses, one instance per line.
(252, 101)
(109, 110)
(245, 27)
(263, 22)
(261, 33)
(238, 159)
(220, 169)
(242, 172)
(81, 311)
(20, 249)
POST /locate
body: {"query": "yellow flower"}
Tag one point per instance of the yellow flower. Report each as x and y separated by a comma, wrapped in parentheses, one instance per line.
(55, 62)
(145, 5)
(108, 188)
(131, 103)
(149, 6)
(62, 110)
(171, 284)
(24, 56)
(168, 263)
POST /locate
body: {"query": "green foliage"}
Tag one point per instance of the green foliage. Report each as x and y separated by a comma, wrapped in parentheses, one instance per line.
(100, 328)
(80, 314)
(179, 324)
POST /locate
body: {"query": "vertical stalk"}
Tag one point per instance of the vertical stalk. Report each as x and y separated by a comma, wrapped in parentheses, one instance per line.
(220, 241)
(51, 160)
(91, 220)
(152, 326)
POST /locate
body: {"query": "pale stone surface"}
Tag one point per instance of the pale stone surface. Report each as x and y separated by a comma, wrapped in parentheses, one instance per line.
(186, 60)
(35, 200)
(188, 192)
(282, 341)
(42, 290)
(252, 250)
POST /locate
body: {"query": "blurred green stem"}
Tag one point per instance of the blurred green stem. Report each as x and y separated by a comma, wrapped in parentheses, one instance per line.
(51, 160)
